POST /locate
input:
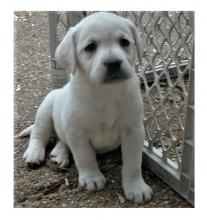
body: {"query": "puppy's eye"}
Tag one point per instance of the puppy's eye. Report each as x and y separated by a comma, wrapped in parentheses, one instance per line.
(91, 47)
(124, 42)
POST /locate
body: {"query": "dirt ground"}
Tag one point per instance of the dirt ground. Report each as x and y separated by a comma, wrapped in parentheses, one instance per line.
(48, 186)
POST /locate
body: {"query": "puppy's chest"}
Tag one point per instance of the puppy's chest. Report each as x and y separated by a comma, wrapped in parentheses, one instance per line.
(103, 126)
(104, 136)
(107, 113)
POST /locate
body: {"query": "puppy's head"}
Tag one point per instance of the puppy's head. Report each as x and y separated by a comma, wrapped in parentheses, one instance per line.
(102, 46)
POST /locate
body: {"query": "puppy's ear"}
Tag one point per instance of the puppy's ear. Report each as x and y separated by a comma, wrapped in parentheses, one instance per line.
(65, 53)
(138, 40)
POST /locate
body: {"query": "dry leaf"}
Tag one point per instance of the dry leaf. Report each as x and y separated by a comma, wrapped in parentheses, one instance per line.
(121, 198)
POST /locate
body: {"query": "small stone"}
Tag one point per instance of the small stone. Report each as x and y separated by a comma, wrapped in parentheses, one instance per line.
(66, 182)
(35, 197)
(16, 18)
(18, 88)
(166, 202)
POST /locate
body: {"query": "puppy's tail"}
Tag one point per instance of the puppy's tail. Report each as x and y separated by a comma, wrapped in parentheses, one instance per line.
(26, 132)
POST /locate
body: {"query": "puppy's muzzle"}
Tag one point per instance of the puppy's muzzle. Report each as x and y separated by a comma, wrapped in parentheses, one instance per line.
(114, 71)
(113, 66)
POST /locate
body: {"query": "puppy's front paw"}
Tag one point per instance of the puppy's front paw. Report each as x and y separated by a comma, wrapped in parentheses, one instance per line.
(34, 155)
(139, 192)
(92, 182)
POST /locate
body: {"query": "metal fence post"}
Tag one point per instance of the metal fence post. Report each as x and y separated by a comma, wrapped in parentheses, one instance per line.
(60, 76)
(53, 36)
(187, 171)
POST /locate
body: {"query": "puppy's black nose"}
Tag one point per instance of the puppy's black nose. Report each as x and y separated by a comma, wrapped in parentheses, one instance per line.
(113, 66)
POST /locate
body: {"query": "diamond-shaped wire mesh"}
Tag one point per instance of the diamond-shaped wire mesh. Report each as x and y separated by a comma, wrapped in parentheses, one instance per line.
(168, 44)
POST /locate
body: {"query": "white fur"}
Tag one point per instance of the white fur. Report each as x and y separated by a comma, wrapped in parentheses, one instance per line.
(90, 116)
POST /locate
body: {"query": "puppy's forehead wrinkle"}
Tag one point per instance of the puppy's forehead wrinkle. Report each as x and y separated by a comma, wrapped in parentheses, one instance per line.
(103, 24)
(101, 18)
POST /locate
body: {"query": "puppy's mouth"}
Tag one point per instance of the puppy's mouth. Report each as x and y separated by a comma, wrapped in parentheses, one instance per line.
(111, 77)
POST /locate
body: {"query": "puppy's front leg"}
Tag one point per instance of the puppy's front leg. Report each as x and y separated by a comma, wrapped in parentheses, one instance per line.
(134, 186)
(90, 177)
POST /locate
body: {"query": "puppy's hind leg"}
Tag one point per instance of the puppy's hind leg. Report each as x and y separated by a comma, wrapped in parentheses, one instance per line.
(60, 154)
(41, 132)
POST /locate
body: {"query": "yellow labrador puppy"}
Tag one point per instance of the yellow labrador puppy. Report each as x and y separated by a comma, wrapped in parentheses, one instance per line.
(100, 108)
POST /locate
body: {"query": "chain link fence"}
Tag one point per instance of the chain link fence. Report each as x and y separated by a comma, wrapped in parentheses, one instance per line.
(167, 82)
